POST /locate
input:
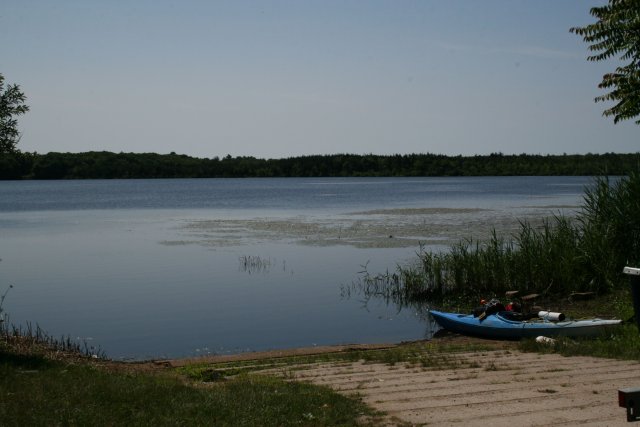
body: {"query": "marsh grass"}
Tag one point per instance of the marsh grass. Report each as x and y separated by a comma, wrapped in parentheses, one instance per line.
(563, 255)
(30, 338)
(254, 264)
(546, 260)
(3, 317)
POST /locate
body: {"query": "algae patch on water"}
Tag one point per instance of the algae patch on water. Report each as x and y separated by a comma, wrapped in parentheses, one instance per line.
(377, 228)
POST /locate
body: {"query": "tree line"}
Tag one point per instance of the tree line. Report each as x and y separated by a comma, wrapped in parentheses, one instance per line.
(108, 165)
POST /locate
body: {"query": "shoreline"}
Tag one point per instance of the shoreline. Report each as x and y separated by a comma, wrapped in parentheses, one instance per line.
(445, 339)
(271, 354)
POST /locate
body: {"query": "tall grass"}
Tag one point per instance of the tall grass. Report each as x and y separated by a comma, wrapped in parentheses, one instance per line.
(563, 255)
(31, 336)
(34, 337)
(610, 225)
(2, 297)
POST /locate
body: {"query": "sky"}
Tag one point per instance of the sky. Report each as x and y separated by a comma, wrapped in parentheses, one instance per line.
(275, 79)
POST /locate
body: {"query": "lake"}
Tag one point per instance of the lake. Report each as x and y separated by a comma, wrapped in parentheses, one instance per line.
(174, 268)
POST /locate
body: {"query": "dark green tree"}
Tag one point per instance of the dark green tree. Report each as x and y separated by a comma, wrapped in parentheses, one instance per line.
(11, 105)
(617, 34)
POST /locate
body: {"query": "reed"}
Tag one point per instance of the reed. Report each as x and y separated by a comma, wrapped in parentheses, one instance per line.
(31, 336)
(254, 264)
(563, 255)
(3, 317)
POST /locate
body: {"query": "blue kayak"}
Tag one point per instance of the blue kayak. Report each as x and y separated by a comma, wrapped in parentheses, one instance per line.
(499, 326)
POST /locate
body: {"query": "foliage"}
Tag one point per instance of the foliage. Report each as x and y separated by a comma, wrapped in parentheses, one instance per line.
(617, 34)
(15, 165)
(107, 165)
(11, 105)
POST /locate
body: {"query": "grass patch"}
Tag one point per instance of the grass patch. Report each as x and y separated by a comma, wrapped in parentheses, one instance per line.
(35, 390)
(623, 343)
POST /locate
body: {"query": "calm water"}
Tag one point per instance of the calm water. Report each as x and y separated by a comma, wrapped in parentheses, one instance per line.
(154, 268)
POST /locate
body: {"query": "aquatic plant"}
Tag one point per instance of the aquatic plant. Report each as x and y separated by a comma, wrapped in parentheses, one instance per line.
(3, 316)
(254, 264)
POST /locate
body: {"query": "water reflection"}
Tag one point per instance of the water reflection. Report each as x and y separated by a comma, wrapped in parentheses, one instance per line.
(254, 264)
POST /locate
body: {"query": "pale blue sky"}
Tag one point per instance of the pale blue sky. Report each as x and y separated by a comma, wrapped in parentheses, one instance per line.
(276, 79)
